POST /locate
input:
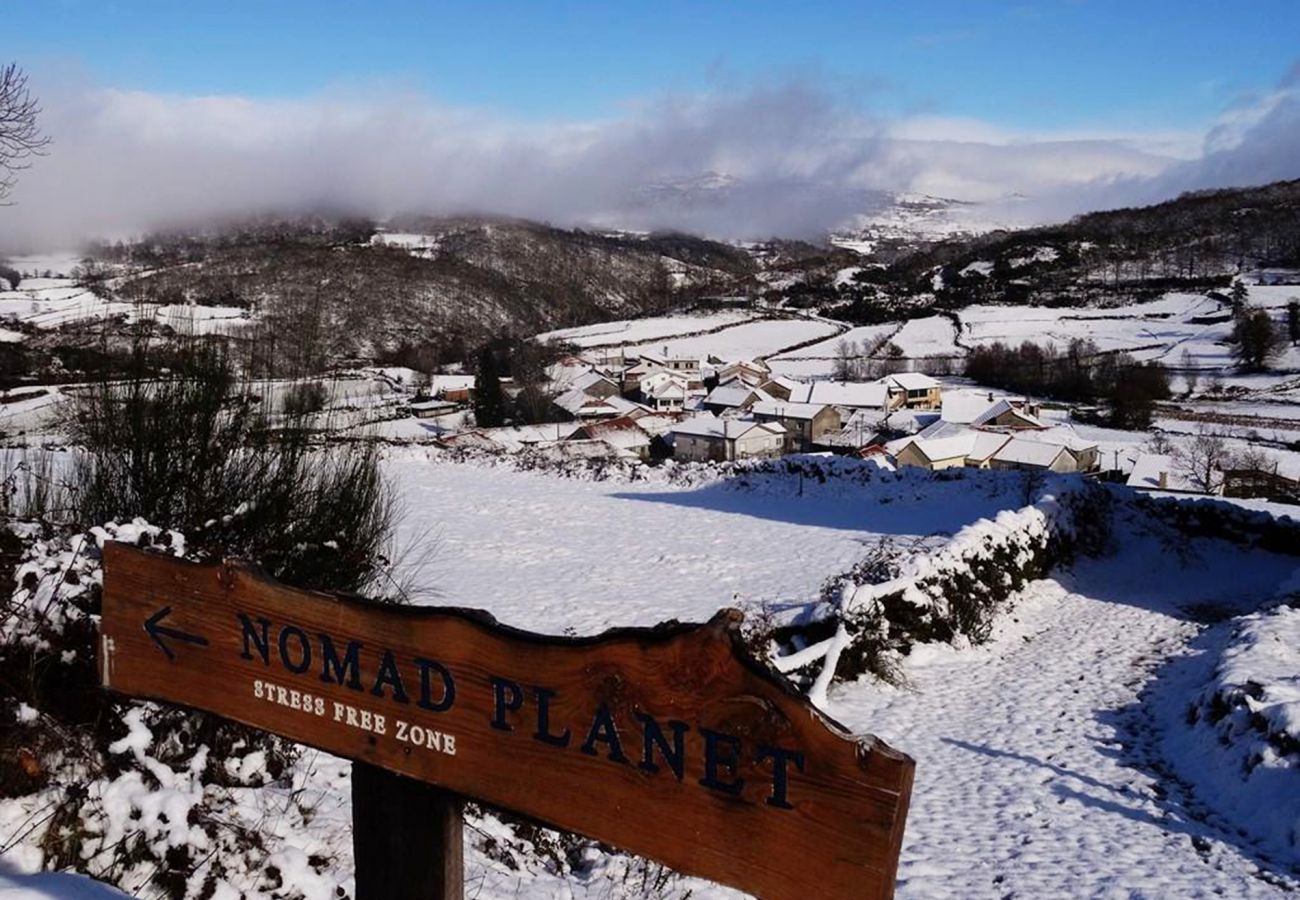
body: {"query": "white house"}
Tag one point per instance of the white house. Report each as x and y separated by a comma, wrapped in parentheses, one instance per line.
(706, 437)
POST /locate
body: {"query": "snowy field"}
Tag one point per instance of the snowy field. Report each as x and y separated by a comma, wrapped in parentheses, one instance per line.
(588, 555)
(750, 340)
(632, 331)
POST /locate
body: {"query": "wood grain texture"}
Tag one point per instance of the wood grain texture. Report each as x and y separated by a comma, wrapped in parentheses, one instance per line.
(669, 742)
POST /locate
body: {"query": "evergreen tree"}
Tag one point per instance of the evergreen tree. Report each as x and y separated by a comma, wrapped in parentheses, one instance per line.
(489, 402)
(1293, 320)
(1256, 341)
(1238, 296)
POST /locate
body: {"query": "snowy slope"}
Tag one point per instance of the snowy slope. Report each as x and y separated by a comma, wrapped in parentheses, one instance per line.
(1037, 759)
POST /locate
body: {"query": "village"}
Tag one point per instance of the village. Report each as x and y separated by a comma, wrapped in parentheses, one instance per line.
(641, 405)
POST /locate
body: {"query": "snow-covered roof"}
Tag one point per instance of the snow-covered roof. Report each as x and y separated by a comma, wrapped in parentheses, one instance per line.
(731, 429)
(587, 379)
(786, 382)
(986, 445)
(1028, 453)
(622, 432)
(857, 394)
(787, 409)
(733, 393)
(672, 388)
(1063, 434)
(941, 429)
(959, 445)
(578, 403)
(431, 405)
(911, 381)
(1148, 468)
(1002, 407)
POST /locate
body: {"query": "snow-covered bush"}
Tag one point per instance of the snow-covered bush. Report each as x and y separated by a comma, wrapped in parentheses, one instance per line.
(878, 611)
(154, 799)
(1211, 518)
(1243, 740)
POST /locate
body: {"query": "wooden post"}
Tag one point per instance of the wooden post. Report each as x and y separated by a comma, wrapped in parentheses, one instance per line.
(406, 838)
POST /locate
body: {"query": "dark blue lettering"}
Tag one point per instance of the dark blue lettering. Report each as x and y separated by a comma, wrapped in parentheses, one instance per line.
(717, 762)
(674, 755)
(780, 774)
(349, 665)
(263, 644)
(604, 731)
(388, 675)
(304, 649)
(426, 689)
(543, 733)
(501, 705)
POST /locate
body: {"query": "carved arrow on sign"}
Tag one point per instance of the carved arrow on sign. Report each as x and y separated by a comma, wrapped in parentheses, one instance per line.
(155, 629)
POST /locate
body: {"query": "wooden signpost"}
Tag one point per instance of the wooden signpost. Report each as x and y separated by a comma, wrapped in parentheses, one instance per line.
(670, 742)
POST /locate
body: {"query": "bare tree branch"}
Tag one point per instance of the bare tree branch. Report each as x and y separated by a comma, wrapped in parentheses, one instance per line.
(20, 136)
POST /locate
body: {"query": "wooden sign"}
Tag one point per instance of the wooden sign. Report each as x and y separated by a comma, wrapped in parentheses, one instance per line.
(670, 742)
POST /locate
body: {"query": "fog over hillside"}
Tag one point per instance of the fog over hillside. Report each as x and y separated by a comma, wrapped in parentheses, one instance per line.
(789, 159)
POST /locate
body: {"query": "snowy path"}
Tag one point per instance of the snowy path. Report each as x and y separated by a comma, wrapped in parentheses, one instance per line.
(1037, 755)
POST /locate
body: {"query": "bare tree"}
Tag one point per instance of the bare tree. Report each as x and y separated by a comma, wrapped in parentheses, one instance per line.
(1202, 461)
(20, 137)
(842, 367)
(1191, 374)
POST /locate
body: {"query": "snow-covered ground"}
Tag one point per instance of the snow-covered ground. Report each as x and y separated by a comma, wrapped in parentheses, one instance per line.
(588, 555)
(1039, 763)
(1042, 768)
(631, 331)
(750, 340)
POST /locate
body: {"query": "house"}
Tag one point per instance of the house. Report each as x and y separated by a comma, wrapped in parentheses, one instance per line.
(706, 437)
(664, 391)
(913, 390)
(632, 376)
(622, 433)
(1008, 414)
(1087, 455)
(583, 408)
(936, 453)
(1024, 453)
(778, 387)
(734, 395)
(804, 423)
(1158, 472)
(594, 384)
(751, 372)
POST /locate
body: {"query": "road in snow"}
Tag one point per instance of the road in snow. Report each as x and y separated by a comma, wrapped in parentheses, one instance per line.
(1037, 753)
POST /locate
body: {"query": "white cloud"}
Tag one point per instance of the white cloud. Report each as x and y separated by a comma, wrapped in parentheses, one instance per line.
(124, 161)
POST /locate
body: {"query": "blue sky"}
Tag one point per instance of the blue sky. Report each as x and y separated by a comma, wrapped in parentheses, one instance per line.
(1024, 65)
(576, 112)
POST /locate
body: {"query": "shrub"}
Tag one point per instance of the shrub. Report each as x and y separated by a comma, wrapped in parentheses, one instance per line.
(193, 448)
(304, 398)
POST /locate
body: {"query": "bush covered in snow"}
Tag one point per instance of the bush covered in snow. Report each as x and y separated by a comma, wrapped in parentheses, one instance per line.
(154, 799)
(1210, 518)
(876, 613)
(1244, 735)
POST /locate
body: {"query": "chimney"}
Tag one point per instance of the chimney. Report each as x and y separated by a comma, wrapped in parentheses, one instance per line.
(1164, 480)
